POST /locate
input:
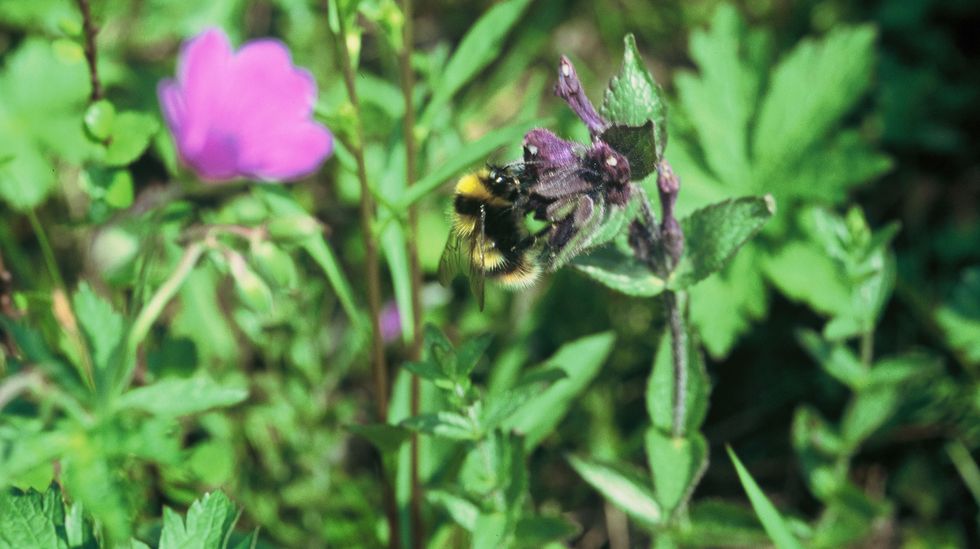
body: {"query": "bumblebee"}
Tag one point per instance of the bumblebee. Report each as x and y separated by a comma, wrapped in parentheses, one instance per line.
(489, 236)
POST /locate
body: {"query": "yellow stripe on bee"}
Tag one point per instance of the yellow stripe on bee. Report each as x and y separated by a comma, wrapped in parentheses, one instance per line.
(474, 185)
(492, 258)
(464, 225)
(522, 277)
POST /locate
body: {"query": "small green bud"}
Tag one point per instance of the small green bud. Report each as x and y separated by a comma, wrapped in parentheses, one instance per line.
(293, 228)
(274, 264)
(99, 119)
(252, 290)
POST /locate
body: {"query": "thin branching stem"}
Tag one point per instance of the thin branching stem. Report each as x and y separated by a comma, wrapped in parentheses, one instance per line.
(90, 52)
(379, 365)
(408, 85)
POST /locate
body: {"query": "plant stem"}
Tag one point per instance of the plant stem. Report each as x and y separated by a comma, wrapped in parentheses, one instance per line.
(151, 311)
(867, 347)
(90, 53)
(46, 250)
(679, 358)
(379, 367)
(408, 85)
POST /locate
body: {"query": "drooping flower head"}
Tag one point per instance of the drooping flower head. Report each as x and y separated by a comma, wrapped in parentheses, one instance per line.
(245, 113)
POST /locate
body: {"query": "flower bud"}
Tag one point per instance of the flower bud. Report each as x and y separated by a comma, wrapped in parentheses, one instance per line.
(293, 228)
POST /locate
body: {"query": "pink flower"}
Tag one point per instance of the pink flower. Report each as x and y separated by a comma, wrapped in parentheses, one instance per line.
(244, 114)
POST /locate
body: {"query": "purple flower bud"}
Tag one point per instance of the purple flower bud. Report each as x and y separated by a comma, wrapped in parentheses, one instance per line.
(570, 89)
(244, 114)
(669, 185)
(545, 151)
(390, 322)
(613, 170)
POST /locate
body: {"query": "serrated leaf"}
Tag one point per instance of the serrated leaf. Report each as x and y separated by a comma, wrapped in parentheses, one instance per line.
(209, 523)
(131, 134)
(660, 387)
(581, 360)
(425, 370)
(772, 521)
(31, 519)
(90, 479)
(619, 271)
(173, 397)
(469, 354)
(810, 90)
(625, 489)
(634, 99)
(724, 306)
(803, 273)
(714, 234)
(443, 424)
(386, 438)
(101, 324)
(721, 100)
(676, 464)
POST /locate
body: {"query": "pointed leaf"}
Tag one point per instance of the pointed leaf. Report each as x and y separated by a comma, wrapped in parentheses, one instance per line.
(772, 521)
(625, 489)
(182, 396)
(676, 464)
(714, 234)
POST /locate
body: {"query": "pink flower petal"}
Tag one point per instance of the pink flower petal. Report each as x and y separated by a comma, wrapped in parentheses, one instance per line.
(244, 114)
(288, 153)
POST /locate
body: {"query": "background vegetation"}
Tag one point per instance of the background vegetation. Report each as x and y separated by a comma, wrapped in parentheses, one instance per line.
(842, 344)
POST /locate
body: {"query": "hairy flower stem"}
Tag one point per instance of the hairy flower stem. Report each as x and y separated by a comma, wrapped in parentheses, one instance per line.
(679, 358)
(90, 53)
(408, 128)
(379, 366)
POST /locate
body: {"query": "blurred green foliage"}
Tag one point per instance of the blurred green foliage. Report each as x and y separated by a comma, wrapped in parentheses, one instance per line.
(843, 342)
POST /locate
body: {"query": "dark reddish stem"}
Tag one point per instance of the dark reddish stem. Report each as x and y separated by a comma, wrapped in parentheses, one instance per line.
(90, 52)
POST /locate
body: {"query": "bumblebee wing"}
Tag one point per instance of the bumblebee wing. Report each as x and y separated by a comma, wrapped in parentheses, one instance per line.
(451, 261)
(478, 260)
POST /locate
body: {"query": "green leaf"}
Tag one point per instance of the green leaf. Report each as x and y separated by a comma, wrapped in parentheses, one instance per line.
(721, 100)
(99, 119)
(425, 370)
(660, 387)
(634, 99)
(625, 489)
(89, 478)
(281, 204)
(867, 412)
(209, 524)
(638, 144)
(386, 438)
(899, 370)
(724, 306)
(676, 464)
(805, 274)
(469, 354)
(32, 519)
(131, 134)
(716, 523)
(463, 511)
(835, 358)
(173, 397)
(714, 234)
(536, 531)
(490, 531)
(619, 271)
(42, 98)
(443, 424)
(581, 360)
(101, 324)
(482, 45)
(772, 521)
(810, 90)
(466, 156)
